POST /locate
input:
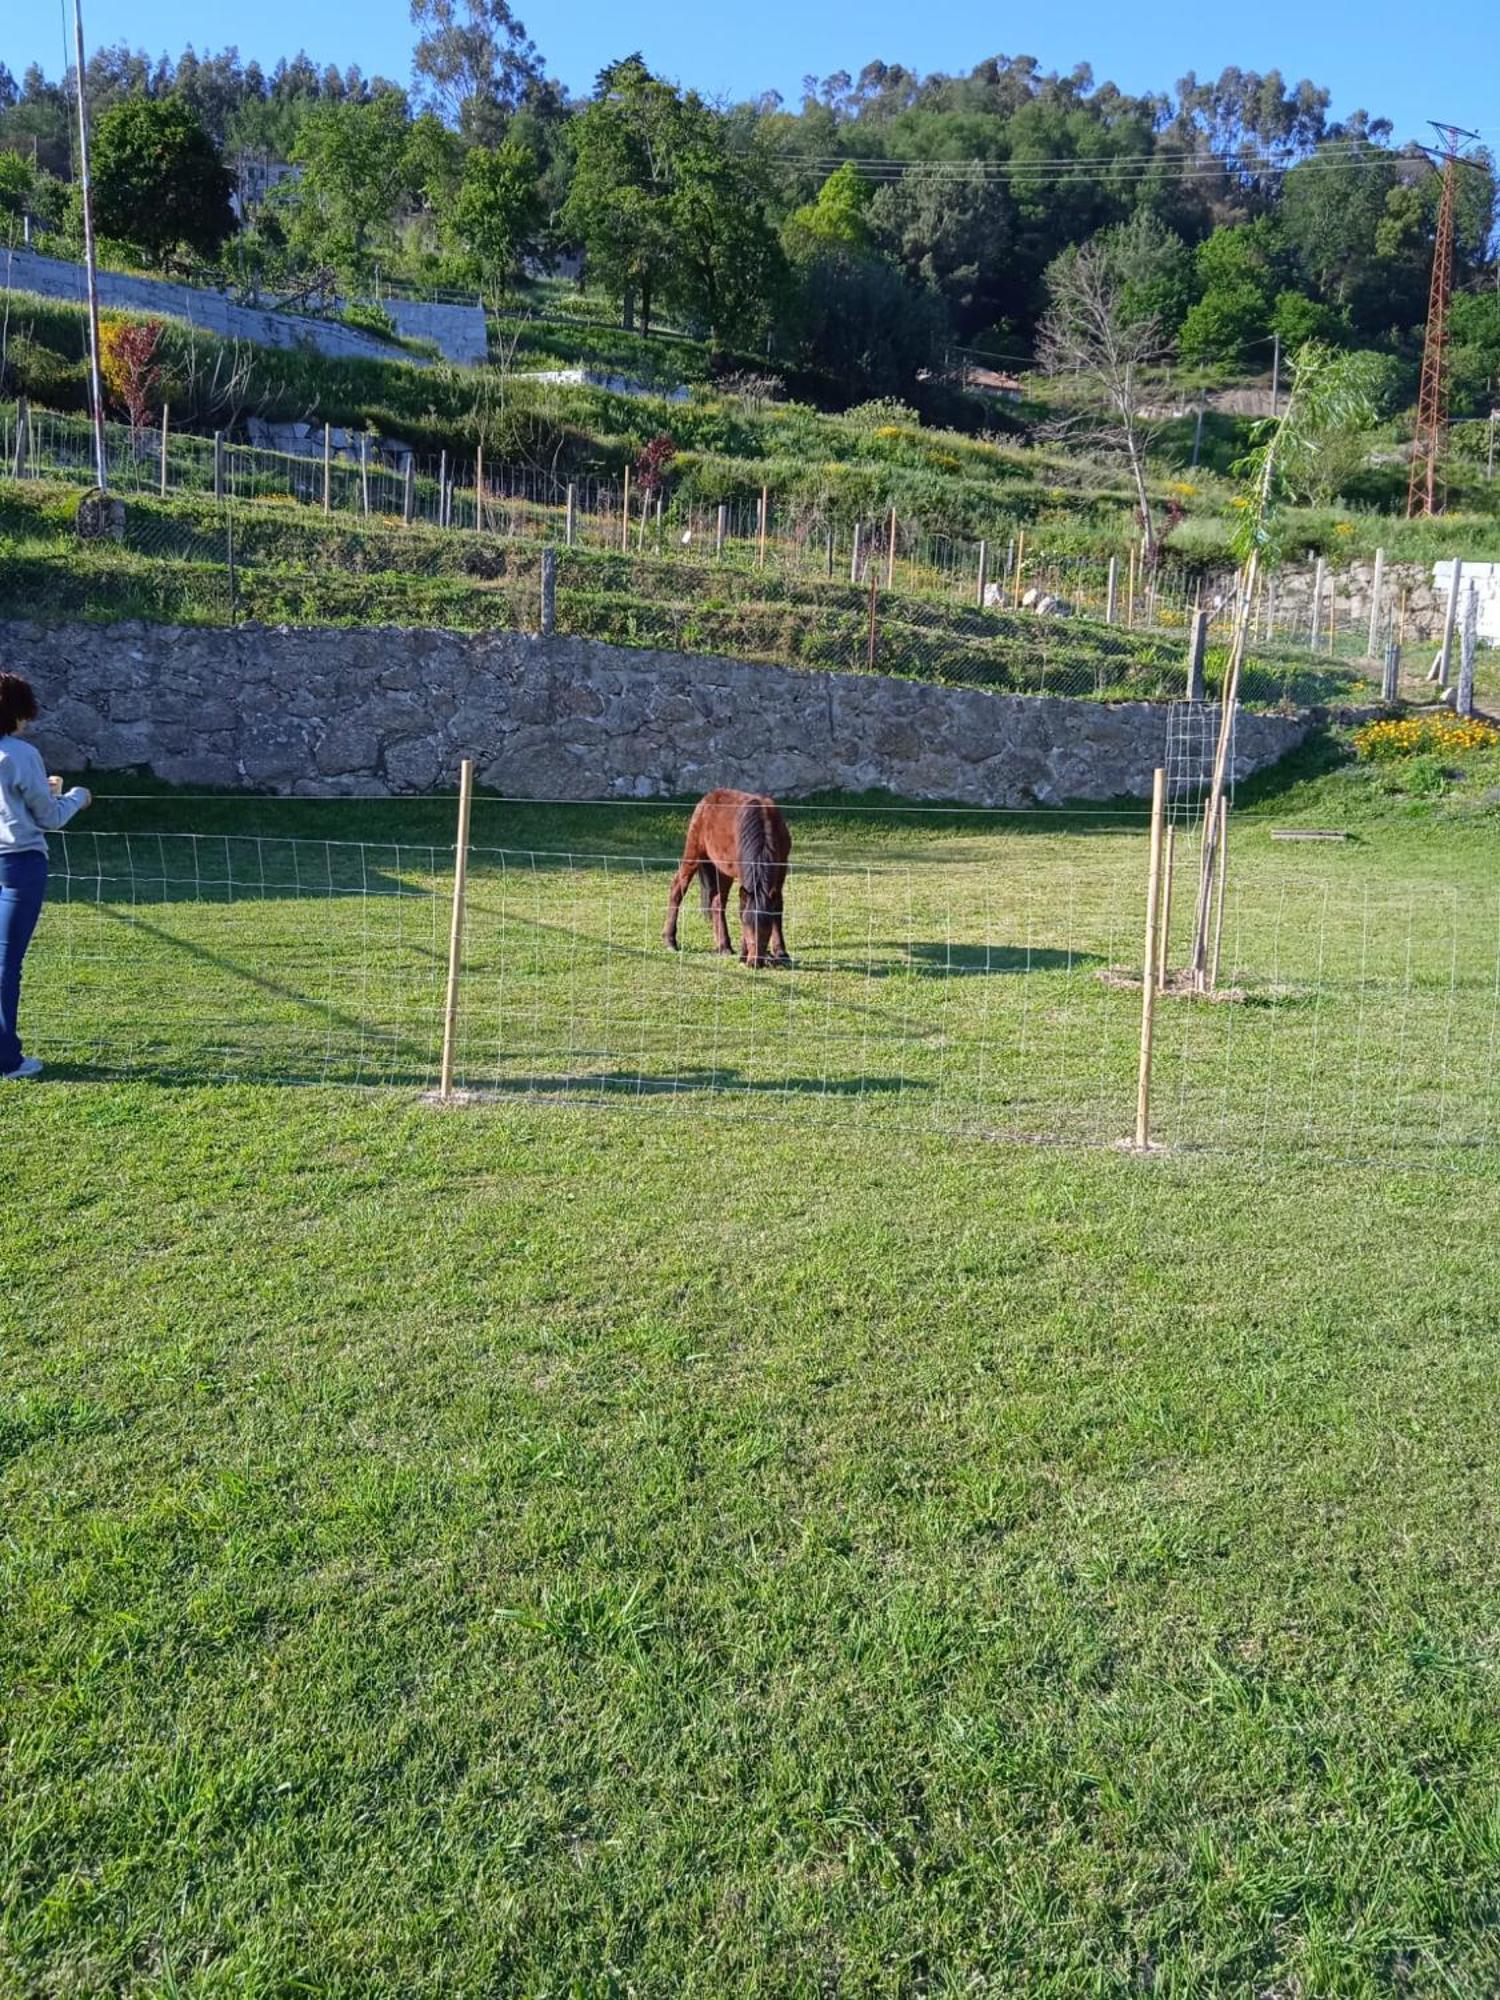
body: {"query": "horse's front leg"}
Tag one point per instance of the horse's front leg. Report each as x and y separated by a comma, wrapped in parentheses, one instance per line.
(675, 895)
(752, 935)
(779, 955)
(716, 906)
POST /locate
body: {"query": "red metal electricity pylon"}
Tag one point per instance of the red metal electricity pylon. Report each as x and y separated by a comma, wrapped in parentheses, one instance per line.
(1424, 491)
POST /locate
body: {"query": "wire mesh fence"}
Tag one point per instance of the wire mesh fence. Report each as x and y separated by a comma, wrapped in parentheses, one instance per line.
(757, 543)
(994, 995)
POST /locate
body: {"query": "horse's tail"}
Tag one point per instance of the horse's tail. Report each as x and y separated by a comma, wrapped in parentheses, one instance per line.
(762, 855)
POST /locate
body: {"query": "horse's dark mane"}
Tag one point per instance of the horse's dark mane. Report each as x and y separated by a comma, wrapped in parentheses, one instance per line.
(761, 868)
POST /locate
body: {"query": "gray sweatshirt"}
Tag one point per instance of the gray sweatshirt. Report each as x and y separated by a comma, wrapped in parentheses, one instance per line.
(28, 811)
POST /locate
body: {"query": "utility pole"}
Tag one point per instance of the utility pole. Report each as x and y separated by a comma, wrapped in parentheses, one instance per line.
(101, 463)
(1424, 492)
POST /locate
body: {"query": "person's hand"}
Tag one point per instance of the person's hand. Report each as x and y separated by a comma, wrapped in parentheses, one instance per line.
(54, 786)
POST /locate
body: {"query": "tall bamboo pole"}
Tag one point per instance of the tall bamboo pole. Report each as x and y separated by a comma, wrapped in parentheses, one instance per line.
(1148, 964)
(456, 930)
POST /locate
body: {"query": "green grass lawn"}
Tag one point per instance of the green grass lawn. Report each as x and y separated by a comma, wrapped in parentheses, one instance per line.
(722, 1538)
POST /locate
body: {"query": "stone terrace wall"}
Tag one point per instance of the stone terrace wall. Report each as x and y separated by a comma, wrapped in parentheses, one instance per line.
(458, 330)
(307, 711)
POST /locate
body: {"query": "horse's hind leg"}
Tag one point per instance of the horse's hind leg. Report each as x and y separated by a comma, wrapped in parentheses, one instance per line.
(675, 895)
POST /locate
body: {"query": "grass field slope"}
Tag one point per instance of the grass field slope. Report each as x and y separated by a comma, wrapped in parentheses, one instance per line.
(739, 1530)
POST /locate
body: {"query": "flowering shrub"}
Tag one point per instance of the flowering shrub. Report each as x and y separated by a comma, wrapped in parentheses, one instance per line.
(1419, 735)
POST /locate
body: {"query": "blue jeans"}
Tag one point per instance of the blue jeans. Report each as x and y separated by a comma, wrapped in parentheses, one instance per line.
(23, 884)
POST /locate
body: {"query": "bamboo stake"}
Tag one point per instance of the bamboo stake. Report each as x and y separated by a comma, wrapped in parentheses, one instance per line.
(1213, 964)
(166, 413)
(1148, 969)
(1229, 698)
(1166, 909)
(456, 933)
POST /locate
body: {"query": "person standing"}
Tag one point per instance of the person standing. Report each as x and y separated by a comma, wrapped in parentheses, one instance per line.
(31, 806)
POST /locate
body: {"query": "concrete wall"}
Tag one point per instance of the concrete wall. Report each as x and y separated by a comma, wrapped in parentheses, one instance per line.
(308, 711)
(458, 330)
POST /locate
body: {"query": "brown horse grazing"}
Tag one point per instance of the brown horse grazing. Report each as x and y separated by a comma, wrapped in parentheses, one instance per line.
(736, 836)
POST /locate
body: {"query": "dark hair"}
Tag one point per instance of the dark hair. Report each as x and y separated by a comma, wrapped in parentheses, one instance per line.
(17, 703)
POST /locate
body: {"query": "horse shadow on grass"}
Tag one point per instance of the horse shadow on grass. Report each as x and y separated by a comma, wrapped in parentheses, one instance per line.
(940, 960)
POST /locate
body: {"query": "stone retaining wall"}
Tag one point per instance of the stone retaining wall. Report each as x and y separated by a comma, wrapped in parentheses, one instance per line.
(458, 330)
(320, 711)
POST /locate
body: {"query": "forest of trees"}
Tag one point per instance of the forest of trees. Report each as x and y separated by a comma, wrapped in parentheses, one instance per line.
(886, 215)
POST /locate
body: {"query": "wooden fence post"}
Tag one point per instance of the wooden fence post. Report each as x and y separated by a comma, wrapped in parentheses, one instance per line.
(1467, 646)
(409, 489)
(625, 513)
(364, 473)
(549, 592)
(984, 566)
(890, 554)
(479, 489)
(1020, 565)
(871, 643)
(1390, 680)
(854, 557)
(1197, 650)
(721, 526)
(1444, 660)
(571, 528)
(23, 438)
(765, 510)
(456, 931)
(327, 467)
(218, 465)
(1377, 589)
(1112, 591)
(166, 414)
(442, 518)
(1130, 592)
(1316, 616)
(1148, 970)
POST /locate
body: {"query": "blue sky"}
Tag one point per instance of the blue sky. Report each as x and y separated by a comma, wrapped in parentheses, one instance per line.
(1400, 62)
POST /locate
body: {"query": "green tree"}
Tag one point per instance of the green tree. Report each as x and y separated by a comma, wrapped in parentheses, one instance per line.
(356, 174)
(17, 187)
(667, 208)
(1474, 362)
(854, 317)
(497, 209)
(954, 233)
(839, 218)
(618, 205)
(159, 182)
(474, 63)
